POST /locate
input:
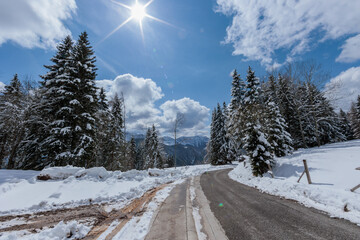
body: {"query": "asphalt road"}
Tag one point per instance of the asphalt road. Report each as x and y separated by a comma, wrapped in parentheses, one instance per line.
(245, 213)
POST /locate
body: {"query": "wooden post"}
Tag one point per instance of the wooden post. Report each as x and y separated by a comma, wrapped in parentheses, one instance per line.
(357, 186)
(307, 171)
(354, 188)
(301, 176)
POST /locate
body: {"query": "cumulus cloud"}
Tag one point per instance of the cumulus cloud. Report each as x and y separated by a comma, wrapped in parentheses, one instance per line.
(140, 96)
(259, 28)
(350, 50)
(344, 88)
(195, 116)
(35, 23)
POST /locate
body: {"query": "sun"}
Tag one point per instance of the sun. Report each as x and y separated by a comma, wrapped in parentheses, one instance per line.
(138, 12)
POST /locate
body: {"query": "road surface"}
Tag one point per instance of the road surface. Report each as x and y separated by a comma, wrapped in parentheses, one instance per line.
(245, 213)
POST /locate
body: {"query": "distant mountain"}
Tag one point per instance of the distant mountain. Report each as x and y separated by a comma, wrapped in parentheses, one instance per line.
(196, 141)
(189, 150)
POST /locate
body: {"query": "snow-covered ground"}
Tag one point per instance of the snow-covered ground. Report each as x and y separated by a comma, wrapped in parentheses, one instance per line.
(332, 170)
(21, 192)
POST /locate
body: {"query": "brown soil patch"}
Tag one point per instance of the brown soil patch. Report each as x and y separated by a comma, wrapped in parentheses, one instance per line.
(93, 214)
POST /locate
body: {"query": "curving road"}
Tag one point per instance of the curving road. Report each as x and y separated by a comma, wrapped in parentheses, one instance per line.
(246, 213)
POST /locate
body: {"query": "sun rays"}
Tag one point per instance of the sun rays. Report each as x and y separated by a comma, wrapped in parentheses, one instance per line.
(137, 13)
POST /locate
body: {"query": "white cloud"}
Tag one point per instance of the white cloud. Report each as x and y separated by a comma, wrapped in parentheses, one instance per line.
(2, 86)
(350, 50)
(140, 95)
(259, 28)
(344, 88)
(35, 23)
(195, 116)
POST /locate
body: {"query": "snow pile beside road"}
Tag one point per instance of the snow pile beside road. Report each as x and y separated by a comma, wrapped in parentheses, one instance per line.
(332, 171)
(70, 230)
(73, 186)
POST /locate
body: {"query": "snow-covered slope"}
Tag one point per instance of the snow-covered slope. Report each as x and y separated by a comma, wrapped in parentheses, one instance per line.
(332, 170)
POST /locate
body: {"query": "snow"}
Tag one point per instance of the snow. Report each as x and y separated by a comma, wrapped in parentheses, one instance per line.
(138, 227)
(22, 192)
(14, 176)
(332, 170)
(196, 213)
(70, 230)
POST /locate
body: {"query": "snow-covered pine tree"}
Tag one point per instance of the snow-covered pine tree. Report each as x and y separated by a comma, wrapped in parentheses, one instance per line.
(85, 102)
(153, 156)
(103, 132)
(221, 134)
(257, 147)
(115, 146)
(32, 148)
(235, 124)
(58, 95)
(355, 118)
(345, 126)
(156, 148)
(11, 121)
(132, 156)
(291, 102)
(213, 147)
(322, 125)
(146, 156)
(230, 146)
(277, 136)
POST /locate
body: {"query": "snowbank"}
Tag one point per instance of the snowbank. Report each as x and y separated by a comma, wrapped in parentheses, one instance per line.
(70, 230)
(73, 186)
(332, 171)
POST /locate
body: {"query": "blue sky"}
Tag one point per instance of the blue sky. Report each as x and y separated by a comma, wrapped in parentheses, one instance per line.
(184, 67)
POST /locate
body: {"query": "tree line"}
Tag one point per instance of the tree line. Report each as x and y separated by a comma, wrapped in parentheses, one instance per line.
(270, 119)
(67, 120)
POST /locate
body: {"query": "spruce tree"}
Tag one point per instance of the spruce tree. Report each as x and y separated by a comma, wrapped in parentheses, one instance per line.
(12, 116)
(345, 125)
(57, 104)
(132, 156)
(277, 136)
(85, 103)
(153, 157)
(235, 124)
(116, 139)
(104, 131)
(229, 147)
(256, 145)
(355, 118)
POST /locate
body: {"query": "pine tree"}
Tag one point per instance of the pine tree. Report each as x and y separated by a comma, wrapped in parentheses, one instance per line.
(132, 160)
(104, 130)
(85, 102)
(256, 145)
(212, 147)
(235, 124)
(218, 147)
(355, 118)
(277, 136)
(153, 156)
(31, 147)
(57, 106)
(12, 116)
(345, 125)
(229, 147)
(116, 138)
(258, 149)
